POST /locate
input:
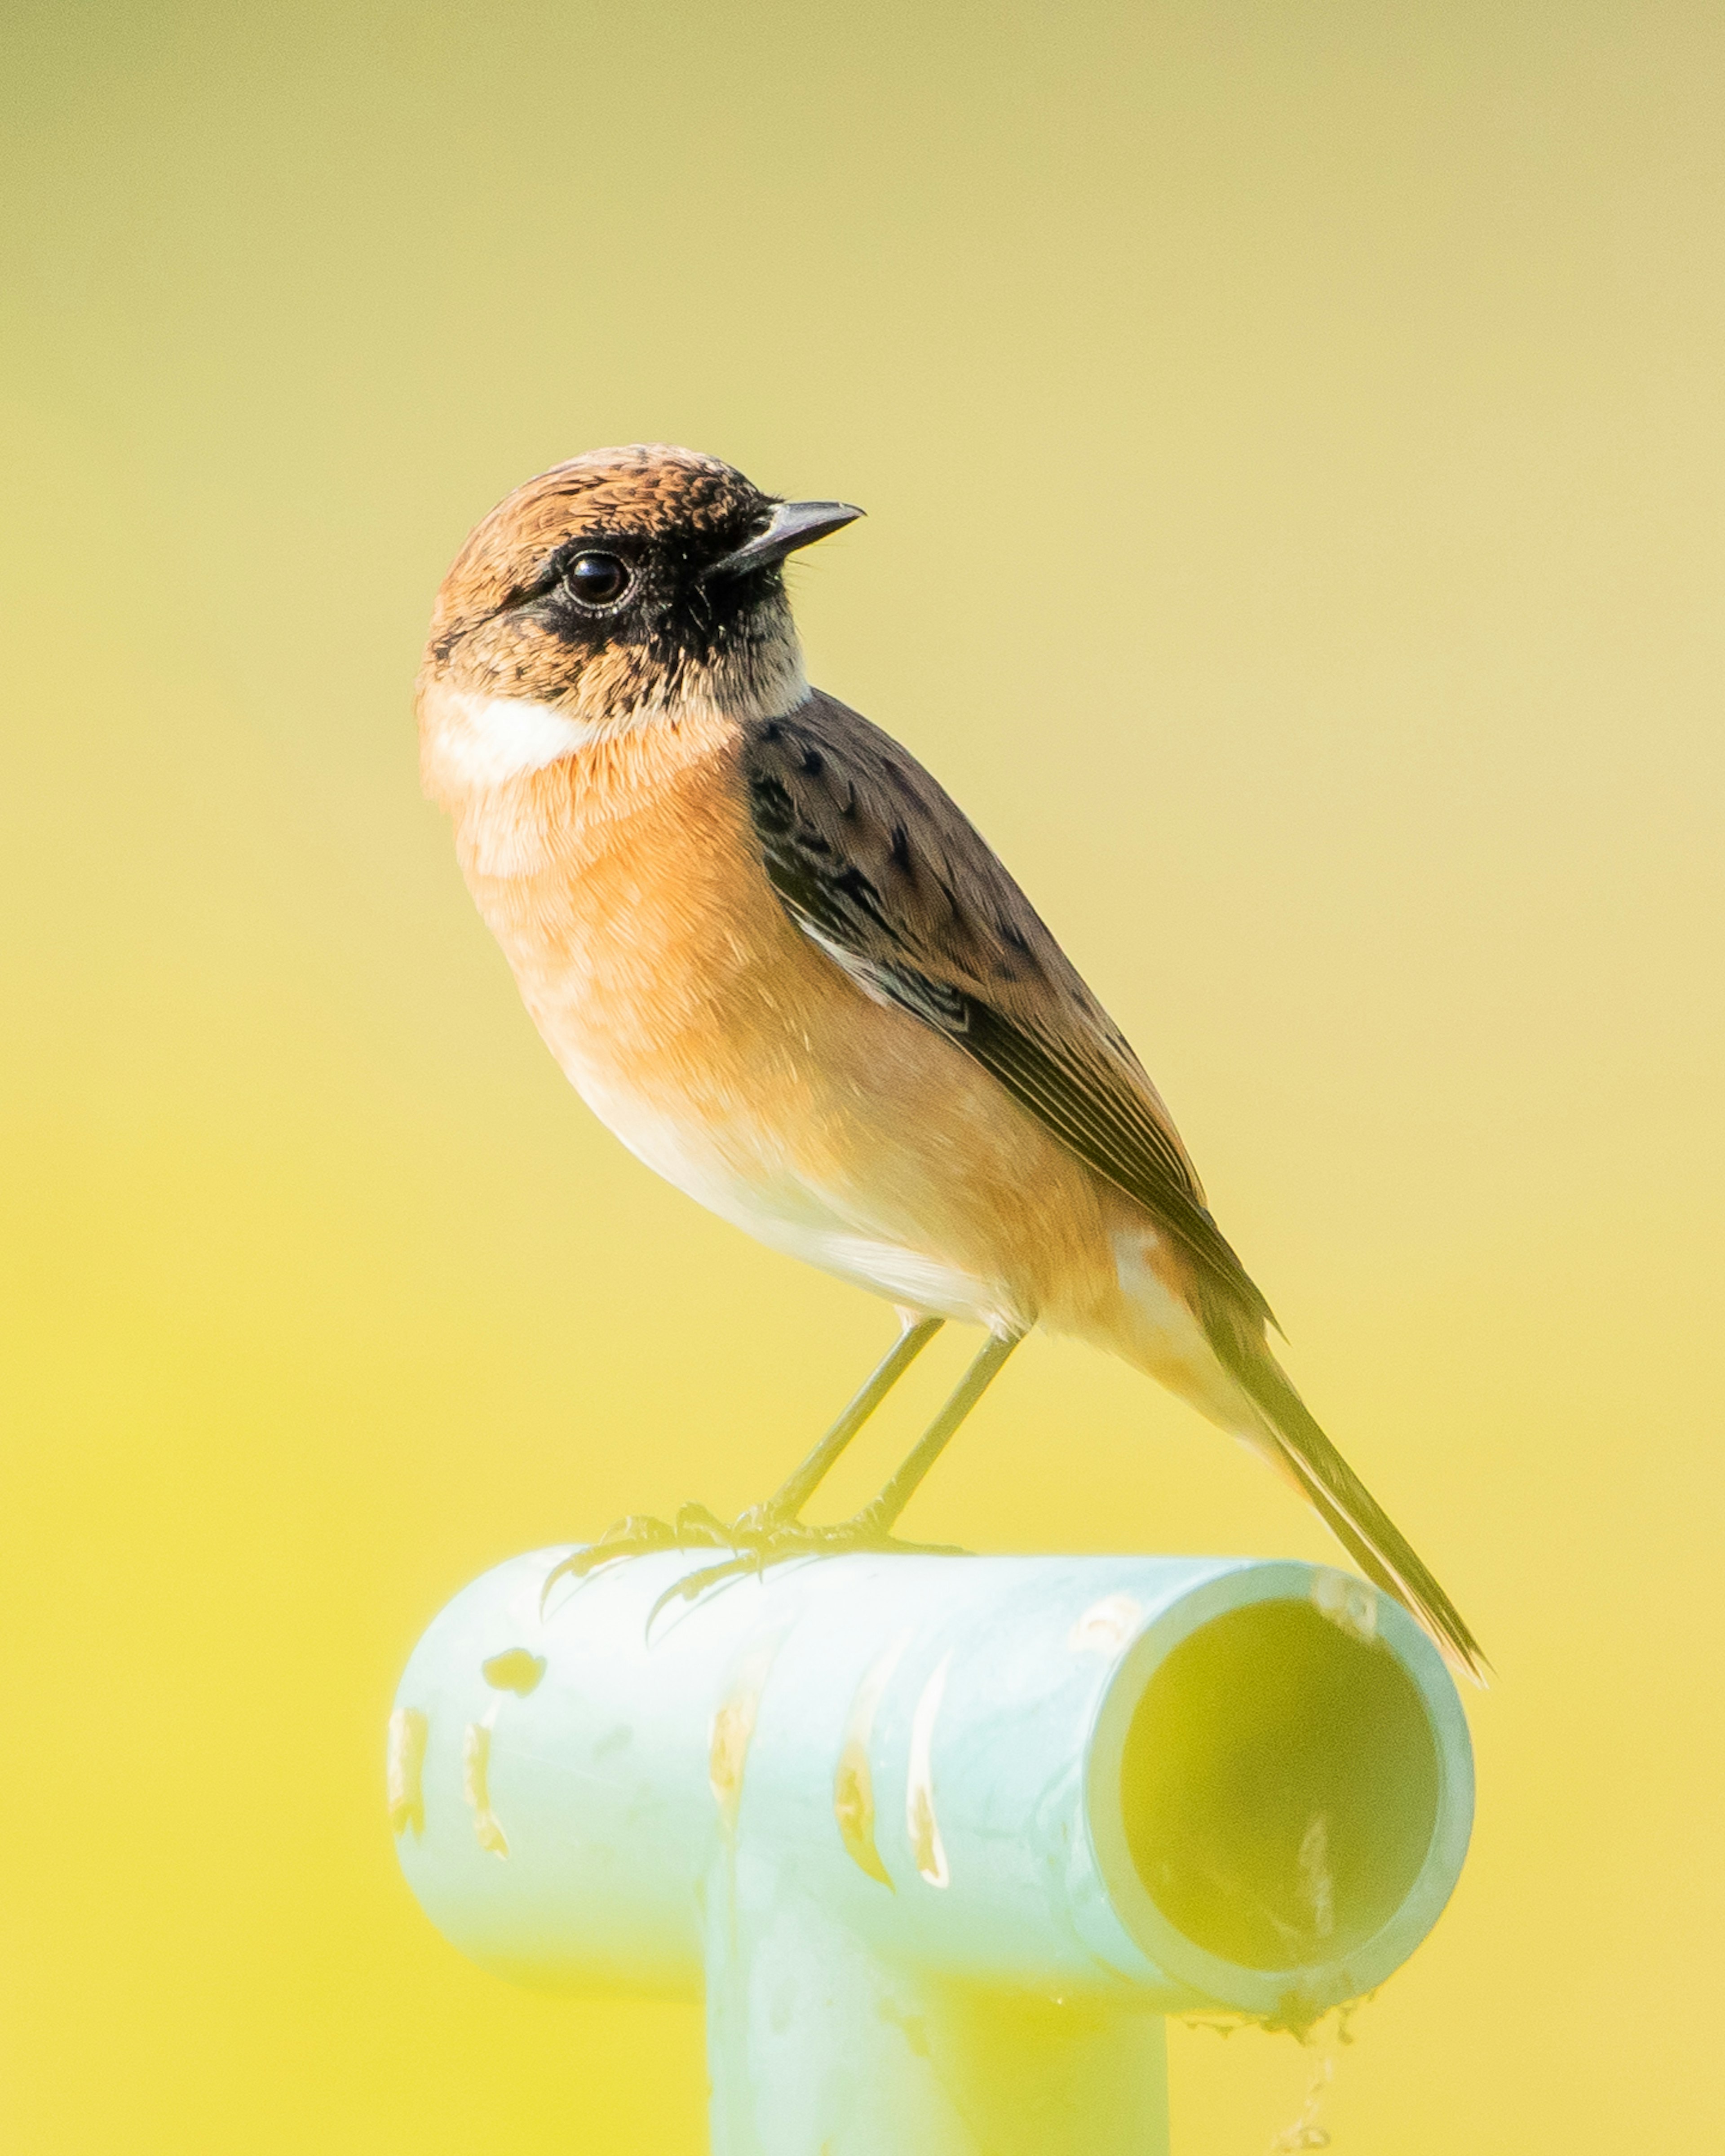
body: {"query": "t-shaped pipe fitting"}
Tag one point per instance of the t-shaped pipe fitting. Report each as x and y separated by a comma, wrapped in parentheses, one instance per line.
(941, 1837)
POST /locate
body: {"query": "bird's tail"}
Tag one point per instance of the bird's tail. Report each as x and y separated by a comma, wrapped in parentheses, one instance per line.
(1296, 1444)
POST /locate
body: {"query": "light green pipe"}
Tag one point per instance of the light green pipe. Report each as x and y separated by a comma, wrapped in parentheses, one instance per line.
(941, 1837)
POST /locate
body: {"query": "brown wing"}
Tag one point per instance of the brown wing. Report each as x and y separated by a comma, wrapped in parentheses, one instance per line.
(878, 864)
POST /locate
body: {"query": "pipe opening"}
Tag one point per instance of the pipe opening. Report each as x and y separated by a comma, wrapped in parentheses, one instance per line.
(1279, 1787)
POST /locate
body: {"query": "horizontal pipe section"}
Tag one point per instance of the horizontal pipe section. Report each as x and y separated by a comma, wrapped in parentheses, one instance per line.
(1171, 1781)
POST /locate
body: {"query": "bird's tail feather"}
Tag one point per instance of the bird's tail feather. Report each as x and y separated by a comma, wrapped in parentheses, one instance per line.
(1348, 1508)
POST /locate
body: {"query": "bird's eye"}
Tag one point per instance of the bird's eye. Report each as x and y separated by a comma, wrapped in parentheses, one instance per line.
(596, 579)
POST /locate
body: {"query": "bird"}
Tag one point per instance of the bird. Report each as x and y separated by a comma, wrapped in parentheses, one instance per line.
(773, 956)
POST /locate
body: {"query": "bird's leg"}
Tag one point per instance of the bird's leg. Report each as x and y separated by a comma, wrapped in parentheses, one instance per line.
(696, 1527)
(880, 1517)
(788, 1501)
(870, 1529)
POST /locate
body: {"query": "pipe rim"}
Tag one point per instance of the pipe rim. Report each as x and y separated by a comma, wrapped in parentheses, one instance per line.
(1300, 1993)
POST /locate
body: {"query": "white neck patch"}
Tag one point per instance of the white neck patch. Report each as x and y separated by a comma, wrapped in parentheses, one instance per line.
(487, 741)
(470, 741)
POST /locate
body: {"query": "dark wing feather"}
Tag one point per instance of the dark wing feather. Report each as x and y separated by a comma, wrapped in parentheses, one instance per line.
(876, 863)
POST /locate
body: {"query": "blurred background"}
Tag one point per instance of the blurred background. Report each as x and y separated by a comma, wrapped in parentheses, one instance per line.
(1293, 441)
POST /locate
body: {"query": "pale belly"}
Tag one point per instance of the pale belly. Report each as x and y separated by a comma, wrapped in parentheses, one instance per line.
(751, 1182)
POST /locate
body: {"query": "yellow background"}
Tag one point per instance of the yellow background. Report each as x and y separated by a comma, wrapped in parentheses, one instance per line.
(1293, 441)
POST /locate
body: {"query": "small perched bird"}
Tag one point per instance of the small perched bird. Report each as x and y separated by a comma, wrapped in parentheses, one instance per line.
(770, 953)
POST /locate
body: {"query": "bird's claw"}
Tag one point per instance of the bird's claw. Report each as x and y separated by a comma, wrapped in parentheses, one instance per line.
(761, 1538)
(639, 1534)
(755, 1539)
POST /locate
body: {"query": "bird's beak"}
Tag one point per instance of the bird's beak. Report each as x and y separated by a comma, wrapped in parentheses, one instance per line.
(793, 524)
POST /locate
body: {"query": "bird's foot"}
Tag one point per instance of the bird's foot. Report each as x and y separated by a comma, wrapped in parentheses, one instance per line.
(761, 1536)
(755, 1539)
(639, 1534)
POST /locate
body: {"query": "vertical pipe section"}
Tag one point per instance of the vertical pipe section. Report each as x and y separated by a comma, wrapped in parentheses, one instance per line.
(816, 2042)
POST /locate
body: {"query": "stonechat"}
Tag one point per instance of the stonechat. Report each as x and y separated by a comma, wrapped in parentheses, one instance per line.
(770, 953)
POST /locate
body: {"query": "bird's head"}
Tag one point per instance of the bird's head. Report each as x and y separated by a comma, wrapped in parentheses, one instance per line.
(627, 588)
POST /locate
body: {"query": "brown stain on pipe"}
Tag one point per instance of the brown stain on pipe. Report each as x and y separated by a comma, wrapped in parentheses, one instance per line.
(921, 1823)
(514, 1670)
(408, 1730)
(475, 1787)
(854, 1809)
(1106, 1626)
(854, 1777)
(1349, 1604)
(733, 1726)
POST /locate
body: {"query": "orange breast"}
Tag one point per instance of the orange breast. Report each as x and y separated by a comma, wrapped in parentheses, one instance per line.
(622, 886)
(626, 888)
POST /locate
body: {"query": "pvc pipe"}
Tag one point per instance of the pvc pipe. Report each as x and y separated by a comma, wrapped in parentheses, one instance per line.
(941, 1837)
